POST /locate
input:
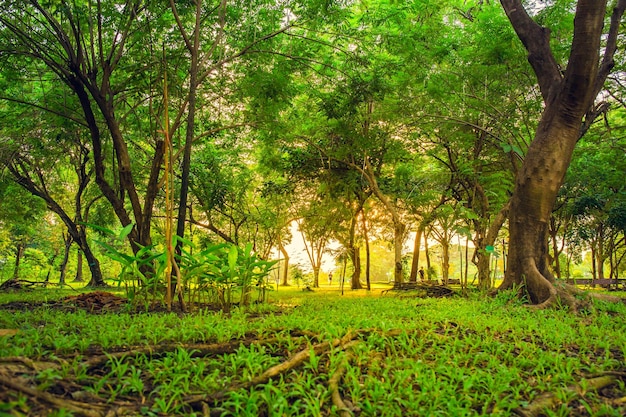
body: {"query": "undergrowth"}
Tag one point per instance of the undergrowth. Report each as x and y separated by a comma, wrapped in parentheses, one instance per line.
(318, 355)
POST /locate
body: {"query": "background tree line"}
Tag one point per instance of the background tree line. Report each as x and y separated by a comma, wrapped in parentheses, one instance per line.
(361, 121)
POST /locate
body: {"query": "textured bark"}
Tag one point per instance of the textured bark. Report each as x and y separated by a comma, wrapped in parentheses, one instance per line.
(568, 97)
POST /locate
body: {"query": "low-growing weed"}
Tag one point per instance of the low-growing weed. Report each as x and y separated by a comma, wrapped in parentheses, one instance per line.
(408, 357)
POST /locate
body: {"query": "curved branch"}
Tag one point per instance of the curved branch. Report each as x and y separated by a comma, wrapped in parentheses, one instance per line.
(536, 40)
(40, 107)
(608, 61)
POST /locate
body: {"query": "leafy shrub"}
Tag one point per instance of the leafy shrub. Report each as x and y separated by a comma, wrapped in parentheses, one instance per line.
(212, 275)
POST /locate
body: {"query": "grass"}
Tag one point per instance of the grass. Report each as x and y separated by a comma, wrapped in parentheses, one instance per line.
(392, 355)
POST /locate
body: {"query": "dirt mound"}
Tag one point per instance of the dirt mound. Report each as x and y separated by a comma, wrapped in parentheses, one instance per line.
(94, 302)
(97, 301)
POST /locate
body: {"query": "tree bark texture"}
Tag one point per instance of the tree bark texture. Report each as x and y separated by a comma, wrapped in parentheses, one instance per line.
(568, 97)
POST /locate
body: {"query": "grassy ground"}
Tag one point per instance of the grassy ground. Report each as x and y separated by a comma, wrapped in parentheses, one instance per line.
(313, 354)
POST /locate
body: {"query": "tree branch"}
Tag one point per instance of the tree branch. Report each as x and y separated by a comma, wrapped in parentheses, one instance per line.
(536, 40)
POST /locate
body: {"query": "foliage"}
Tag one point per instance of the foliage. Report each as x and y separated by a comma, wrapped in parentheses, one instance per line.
(209, 276)
(302, 110)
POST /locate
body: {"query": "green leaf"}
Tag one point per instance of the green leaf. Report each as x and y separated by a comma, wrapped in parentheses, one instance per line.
(125, 231)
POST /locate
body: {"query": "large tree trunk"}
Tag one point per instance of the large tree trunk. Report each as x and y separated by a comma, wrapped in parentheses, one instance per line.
(316, 276)
(568, 98)
(355, 257)
(555, 247)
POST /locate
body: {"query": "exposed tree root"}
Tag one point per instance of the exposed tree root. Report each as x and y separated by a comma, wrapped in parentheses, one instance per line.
(14, 284)
(291, 363)
(544, 291)
(81, 409)
(550, 400)
(196, 349)
(333, 386)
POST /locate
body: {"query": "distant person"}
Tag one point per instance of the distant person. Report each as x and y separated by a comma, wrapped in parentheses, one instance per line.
(421, 273)
(330, 278)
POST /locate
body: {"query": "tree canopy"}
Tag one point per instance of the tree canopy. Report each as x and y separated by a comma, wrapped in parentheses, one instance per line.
(199, 123)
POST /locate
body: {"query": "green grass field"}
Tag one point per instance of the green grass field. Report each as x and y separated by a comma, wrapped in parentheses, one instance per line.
(313, 354)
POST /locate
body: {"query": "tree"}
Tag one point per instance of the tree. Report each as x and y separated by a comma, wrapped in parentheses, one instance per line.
(569, 107)
(446, 223)
(315, 234)
(596, 195)
(21, 215)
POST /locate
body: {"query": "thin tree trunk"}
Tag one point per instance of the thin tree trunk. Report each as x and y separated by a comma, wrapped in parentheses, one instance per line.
(445, 261)
(66, 257)
(398, 243)
(600, 252)
(594, 258)
(482, 258)
(466, 262)
(354, 252)
(427, 253)
(52, 260)
(97, 279)
(285, 271)
(355, 255)
(416, 253)
(193, 47)
(79, 267)
(19, 252)
(367, 251)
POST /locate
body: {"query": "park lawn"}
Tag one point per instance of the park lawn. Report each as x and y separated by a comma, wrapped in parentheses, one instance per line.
(313, 354)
